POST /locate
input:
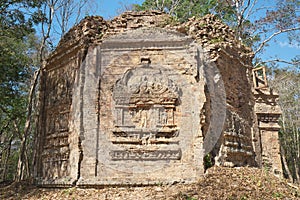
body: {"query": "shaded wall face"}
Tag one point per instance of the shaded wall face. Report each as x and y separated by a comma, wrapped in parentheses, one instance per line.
(54, 130)
(236, 143)
(141, 111)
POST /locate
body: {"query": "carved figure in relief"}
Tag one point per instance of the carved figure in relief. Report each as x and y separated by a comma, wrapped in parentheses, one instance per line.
(150, 101)
(145, 139)
(163, 118)
(144, 118)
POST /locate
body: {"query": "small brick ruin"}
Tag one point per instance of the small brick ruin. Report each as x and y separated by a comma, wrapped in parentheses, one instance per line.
(142, 100)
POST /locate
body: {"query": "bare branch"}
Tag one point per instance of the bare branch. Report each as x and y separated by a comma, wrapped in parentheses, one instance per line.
(240, 15)
(81, 5)
(278, 60)
(246, 7)
(261, 46)
(250, 9)
(4, 127)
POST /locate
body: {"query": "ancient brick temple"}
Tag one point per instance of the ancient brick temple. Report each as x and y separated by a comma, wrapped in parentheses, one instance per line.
(142, 100)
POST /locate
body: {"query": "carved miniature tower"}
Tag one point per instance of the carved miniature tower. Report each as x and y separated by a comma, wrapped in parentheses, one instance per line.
(267, 113)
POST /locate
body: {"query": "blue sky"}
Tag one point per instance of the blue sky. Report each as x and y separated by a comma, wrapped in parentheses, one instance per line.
(280, 48)
(111, 8)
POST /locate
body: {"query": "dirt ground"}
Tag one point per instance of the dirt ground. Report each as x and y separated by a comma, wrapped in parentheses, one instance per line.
(218, 183)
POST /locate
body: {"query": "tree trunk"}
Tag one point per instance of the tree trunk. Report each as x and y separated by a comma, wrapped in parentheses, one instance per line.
(296, 160)
(296, 170)
(22, 155)
(286, 167)
(6, 160)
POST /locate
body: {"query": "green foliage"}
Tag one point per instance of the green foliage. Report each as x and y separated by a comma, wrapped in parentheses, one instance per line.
(278, 195)
(69, 191)
(15, 53)
(16, 66)
(14, 17)
(181, 9)
(184, 196)
(254, 22)
(216, 40)
(208, 161)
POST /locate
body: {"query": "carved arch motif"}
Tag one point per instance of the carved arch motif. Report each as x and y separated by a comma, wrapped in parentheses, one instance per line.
(145, 107)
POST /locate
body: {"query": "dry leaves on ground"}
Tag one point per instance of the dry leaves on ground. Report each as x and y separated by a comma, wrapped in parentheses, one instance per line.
(218, 183)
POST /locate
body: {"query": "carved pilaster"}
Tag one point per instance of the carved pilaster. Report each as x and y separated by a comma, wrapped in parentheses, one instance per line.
(267, 114)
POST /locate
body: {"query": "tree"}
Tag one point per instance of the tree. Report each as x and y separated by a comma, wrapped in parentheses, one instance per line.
(256, 23)
(287, 83)
(63, 13)
(68, 13)
(59, 17)
(16, 29)
(22, 56)
(180, 9)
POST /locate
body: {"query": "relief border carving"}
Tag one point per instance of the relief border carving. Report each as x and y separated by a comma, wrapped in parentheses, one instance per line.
(148, 155)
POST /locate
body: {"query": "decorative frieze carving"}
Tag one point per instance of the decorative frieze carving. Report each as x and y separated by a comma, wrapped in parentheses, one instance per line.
(146, 155)
(268, 117)
(57, 142)
(56, 157)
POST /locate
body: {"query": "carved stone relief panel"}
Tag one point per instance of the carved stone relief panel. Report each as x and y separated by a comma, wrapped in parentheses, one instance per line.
(57, 122)
(145, 102)
(56, 151)
(59, 86)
